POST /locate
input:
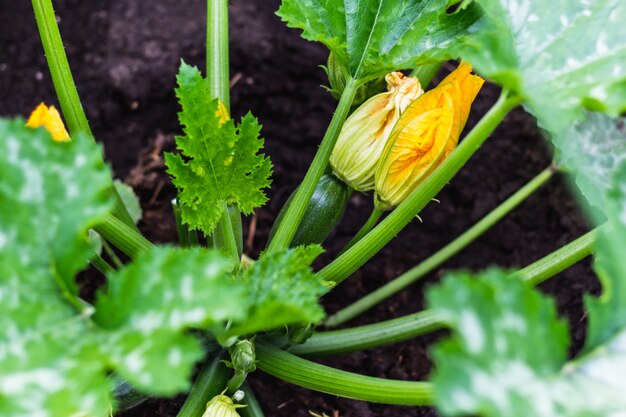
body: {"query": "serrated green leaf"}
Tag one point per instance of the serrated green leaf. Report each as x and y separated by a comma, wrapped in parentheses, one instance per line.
(507, 355)
(282, 289)
(373, 37)
(560, 55)
(594, 147)
(148, 305)
(50, 193)
(219, 162)
(130, 200)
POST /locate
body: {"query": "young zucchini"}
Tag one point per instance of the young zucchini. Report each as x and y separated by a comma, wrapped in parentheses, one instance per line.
(323, 212)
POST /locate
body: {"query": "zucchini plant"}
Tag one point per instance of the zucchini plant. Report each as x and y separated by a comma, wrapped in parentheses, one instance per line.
(167, 308)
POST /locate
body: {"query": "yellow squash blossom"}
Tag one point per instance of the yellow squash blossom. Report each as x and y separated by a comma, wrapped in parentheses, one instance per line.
(50, 119)
(426, 133)
(365, 132)
(222, 406)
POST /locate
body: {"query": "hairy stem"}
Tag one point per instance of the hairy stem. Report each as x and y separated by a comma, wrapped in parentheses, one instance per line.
(122, 236)
(217, 69)
(443, 254)
(343, 266)
(292, 217)
(325, 379)
(64, 85)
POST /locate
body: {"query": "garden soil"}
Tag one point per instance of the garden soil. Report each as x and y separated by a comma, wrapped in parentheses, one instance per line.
(125, 55)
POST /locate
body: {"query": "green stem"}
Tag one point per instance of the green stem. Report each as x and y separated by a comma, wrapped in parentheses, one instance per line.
(443, 254)
(181, 228)
(101, 265)
(292, 217)
(253, 408)
(210, 382)
(367, 227)
(344, 265)
(111, 254)
(559, 260)
(371, 335)
(217, 59)
(217, 69)
(325, 379)
(122, 236)
(226, 231)
(64, 85)
(407, 327)
(60, 68)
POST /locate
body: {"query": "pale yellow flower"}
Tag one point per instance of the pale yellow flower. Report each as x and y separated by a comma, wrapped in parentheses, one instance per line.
(426, 133)
(365, 132)
(222, 406)
(50, 119)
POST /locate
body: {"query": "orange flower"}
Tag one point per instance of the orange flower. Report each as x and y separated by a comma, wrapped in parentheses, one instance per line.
(426, 133)
(50, 119)
(365, 132)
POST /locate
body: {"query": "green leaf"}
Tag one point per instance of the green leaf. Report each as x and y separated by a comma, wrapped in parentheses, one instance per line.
(50, 193)
(594, 148)
(507, 355)
(607, 314)
(282, 289)
(372, 37)
(130, 200)
(219, 162)
(150, 304)
(562, 56)
(57, 372)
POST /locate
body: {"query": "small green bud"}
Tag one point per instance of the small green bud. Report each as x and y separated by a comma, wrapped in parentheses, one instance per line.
(337, 80)
(242, 355)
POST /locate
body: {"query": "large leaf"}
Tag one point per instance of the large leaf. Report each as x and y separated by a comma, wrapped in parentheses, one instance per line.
(595, 147)
(560, 55)
(372, 37)
(507, 355)
(148, 305)
(282, 289)
(50, 193)
(219, 162)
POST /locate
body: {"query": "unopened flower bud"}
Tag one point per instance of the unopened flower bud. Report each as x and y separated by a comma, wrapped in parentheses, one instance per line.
(337, 76)
(243, 357)
(365, 132)
(50, 119)
(222, 406)
(426, 133)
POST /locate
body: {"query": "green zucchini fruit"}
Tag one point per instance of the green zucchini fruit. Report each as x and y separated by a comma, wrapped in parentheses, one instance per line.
(323, 212)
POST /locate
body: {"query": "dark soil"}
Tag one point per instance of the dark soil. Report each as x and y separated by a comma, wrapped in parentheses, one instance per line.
(125, 54)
